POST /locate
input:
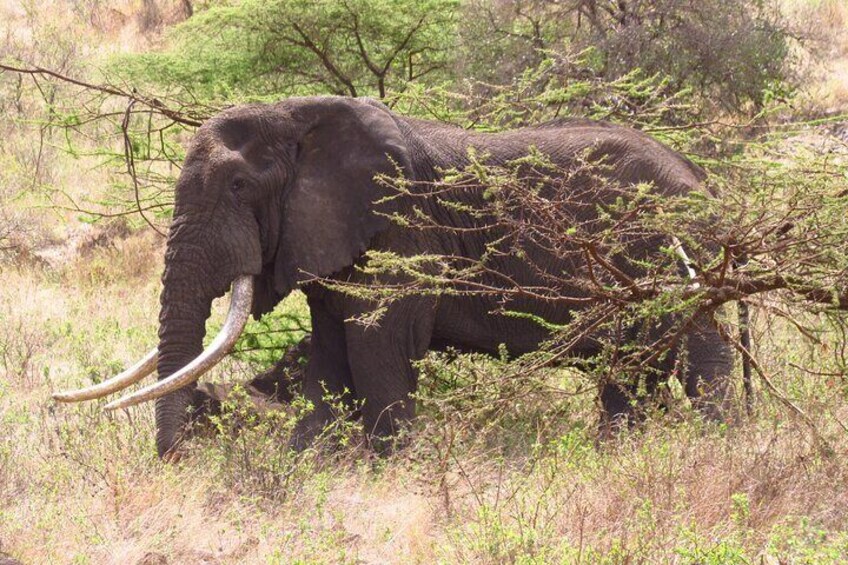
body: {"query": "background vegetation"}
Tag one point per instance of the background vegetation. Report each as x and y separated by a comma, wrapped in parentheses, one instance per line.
(501, 469)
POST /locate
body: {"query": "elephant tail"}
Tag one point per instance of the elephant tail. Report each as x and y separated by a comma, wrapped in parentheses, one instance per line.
(745, 342)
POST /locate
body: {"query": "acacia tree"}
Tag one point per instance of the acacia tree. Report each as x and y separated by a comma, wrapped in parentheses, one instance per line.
(776, 237)
(290, 47)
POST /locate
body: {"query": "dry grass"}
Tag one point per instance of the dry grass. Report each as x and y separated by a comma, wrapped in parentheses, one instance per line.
(823, 25)
(77, 485)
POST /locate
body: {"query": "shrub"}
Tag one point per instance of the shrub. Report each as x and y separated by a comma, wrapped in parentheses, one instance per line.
(733, 54)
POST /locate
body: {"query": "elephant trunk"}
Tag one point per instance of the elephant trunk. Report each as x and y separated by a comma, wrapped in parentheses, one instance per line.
(240, 304)
(182, 326)
(181, 362)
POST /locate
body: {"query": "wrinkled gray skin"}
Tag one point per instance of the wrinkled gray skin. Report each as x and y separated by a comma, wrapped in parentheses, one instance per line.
(286, 192)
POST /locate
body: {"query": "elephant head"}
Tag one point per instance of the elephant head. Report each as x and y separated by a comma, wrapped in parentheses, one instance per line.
(269, 197)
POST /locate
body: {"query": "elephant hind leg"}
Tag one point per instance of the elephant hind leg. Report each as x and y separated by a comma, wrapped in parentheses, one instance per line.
(709, 368)
(624, 404)
(617, 408)
(703, 360)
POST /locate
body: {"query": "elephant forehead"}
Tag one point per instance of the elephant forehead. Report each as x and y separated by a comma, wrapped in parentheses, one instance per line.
(238, 144)
(205, 166)
(244, 126)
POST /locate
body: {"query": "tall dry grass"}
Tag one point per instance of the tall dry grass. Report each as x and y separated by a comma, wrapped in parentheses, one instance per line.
(822, 25)
(535, 486)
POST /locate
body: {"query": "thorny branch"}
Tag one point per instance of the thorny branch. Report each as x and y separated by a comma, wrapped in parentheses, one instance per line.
(773, 389)
(606, 251)
(130, 158)
(188, 117)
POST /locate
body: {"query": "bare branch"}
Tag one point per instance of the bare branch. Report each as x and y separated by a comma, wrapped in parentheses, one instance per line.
(189, 119)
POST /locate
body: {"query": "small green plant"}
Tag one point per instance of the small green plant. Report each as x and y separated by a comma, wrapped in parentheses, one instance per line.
(250, 445)
(715, 553)
(264, 341)
(741, 508)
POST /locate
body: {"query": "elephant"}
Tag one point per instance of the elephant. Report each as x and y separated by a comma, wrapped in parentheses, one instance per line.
(273, 197)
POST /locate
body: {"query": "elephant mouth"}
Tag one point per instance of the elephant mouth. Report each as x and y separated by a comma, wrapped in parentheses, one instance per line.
(241, 301)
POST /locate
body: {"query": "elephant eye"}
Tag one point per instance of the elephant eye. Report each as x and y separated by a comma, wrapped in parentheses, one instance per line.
(238, 185)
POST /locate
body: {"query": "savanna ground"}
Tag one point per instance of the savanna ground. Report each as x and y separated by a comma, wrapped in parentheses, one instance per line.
(498, 471)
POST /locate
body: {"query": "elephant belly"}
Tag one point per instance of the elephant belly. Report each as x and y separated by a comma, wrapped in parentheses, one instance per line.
(470, 325)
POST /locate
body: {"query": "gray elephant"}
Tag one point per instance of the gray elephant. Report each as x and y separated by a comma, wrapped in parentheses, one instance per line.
(272, 196)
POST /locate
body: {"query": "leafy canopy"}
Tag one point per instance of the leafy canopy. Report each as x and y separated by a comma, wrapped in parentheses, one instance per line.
(257, 49)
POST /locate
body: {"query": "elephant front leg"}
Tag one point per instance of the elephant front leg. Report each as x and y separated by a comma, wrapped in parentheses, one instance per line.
(327, 373)
(383, 373)
(617, 407)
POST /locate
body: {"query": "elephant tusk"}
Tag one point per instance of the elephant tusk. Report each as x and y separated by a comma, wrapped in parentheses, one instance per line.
(678, 248)
(240, 302)
(119, 382)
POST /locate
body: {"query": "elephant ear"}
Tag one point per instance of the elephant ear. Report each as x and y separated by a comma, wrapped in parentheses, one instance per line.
(330, 214)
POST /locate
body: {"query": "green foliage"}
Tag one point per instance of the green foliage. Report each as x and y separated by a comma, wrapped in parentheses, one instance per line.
(249, 448)
(725, 552)
(730, 53)
(802, 541)
(250, 451)
(544, 93)
(632, 61)
(508, 405)
(266, 50)
(264, 341)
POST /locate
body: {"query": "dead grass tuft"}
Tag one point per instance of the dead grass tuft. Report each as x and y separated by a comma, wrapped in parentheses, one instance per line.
(111, 255)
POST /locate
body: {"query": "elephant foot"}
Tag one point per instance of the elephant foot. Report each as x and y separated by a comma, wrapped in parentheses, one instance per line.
(309, 428)
(387, 445)
(618, 410)
(173, 457)
(611, 426)
(713, 403)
